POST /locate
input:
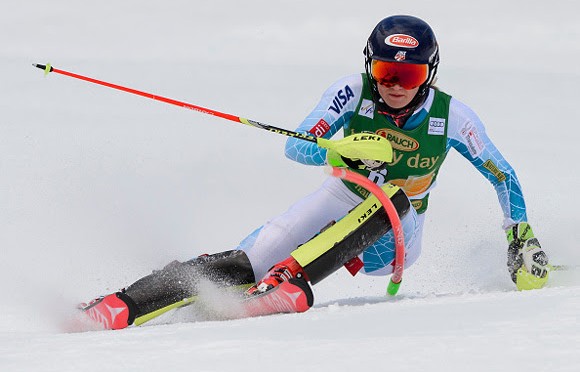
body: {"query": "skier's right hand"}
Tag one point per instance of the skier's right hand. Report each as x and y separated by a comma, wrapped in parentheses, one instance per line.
(334, 159)
(527, 261)
(363, 150)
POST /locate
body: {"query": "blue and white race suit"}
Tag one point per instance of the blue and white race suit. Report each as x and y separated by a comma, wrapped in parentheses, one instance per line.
(277, 238)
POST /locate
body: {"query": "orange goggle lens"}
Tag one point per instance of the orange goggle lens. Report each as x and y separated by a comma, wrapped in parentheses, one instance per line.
(407, 75)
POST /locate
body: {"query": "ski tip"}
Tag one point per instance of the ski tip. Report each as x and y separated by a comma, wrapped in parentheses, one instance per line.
(47, 68)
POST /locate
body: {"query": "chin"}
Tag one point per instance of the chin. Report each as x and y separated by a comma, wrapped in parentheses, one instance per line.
(397, 105)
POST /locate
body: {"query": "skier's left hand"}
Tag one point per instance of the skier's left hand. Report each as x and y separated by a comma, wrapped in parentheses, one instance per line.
(527, 261)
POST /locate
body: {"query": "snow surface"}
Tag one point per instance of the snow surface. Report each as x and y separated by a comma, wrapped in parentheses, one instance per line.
(98, 187)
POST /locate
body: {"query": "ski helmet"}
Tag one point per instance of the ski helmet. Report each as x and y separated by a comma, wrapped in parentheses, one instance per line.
(403, 39)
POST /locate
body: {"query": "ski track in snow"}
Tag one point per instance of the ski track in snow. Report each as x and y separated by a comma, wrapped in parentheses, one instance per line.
(98, 188)
(483, 331)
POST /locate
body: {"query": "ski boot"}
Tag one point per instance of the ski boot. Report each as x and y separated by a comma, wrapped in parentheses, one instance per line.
(115, 311)
(279, 273)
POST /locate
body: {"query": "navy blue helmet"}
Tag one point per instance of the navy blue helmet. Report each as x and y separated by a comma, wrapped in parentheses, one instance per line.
(404, 39)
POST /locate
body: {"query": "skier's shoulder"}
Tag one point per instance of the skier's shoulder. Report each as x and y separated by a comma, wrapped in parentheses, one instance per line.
(355, 80)
(350, 85)
(456, 107)
(462, 115)
(461, 111)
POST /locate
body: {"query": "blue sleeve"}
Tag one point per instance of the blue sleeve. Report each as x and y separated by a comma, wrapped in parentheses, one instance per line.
(333, 112)
(467, 135)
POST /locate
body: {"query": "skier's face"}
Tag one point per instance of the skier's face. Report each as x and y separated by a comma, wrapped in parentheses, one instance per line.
(398, 82)
(396, 96)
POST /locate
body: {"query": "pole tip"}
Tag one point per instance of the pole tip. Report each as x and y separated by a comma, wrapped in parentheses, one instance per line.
(47, 68)
(393, 287)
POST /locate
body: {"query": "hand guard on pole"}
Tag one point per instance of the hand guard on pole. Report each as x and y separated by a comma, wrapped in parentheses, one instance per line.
(527, 262)
(350, 153)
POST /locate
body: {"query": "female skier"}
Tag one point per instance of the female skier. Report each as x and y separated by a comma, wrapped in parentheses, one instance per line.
(394, 98)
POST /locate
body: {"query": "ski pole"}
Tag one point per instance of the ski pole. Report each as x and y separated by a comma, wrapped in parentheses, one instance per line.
(563, 267)
(399, 264)
(48, 69)
(357, 146)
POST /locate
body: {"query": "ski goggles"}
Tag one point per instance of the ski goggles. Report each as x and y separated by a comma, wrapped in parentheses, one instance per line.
(407, 75)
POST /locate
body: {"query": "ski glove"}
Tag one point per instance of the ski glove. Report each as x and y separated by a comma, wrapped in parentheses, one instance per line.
(334, 159)
(527, 262)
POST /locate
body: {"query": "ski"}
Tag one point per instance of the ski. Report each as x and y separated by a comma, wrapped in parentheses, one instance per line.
(291, 296)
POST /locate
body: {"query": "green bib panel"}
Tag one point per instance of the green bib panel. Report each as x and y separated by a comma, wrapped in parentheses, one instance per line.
(417, 153)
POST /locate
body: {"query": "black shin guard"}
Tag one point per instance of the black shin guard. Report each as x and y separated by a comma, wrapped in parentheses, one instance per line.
(362, 227)
(178, 280)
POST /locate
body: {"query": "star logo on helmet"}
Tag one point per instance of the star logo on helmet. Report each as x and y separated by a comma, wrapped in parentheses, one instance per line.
(400, 56)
